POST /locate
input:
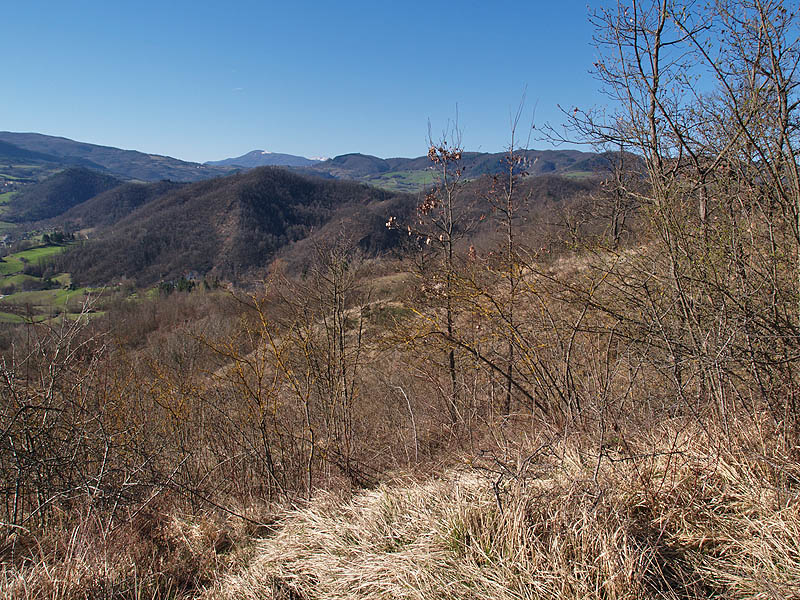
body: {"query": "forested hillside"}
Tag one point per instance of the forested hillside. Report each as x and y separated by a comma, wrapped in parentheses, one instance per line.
(57, 194)
(128, 164)
(229, 227)
(111, 206)
(233, 228)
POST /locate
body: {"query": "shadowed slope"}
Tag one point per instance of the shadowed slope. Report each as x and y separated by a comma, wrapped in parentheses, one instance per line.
(230, 227)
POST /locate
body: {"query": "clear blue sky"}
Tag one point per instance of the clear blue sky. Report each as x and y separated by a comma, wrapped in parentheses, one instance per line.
(208, 80)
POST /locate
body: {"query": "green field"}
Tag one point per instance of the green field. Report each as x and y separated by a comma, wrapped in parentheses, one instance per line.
(13, 263)
(27, 173)
(580, 174)
(38, 305)
(42, 305)
(17, 279)
(403, 181)
(11, 318)
(55, 298)
(4, 200)
(64, 279)
(10, 265)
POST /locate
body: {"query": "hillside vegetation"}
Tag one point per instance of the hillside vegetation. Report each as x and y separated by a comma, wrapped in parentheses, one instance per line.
(109, 207)
(567, 527)
(554, 388)
(121, 163)
(235, 227)
(230, 227)
(416, 174)
(57, 194)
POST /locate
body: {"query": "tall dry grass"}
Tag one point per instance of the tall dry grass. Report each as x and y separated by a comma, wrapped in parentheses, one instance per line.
(160, 553)
(681, 509)
(682, 512)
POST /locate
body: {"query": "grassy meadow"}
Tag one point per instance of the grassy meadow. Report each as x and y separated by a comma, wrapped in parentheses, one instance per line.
(26, 302)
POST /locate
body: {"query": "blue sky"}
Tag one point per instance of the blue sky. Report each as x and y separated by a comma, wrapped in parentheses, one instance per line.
(208, 80)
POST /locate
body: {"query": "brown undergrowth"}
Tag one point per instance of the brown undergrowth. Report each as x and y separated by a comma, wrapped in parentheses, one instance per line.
(681, 513)
(160, 553)
(681, 509)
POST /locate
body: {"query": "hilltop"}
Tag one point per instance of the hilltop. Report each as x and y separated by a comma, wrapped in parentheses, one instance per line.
(57, 194)
(231, 227)
(51, 152)
(30, 157)
(414, 174)
(263, 158)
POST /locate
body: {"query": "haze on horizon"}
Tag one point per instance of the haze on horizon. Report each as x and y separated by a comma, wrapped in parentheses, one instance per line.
(204, 81)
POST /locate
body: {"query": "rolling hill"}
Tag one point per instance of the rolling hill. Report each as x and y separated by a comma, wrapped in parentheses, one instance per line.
(128, 164)
(263, 158)
(36, 155)
(10, 154)
(414, 174)
(234, 227)
(231, 227)
(57, 194)
(111, 206)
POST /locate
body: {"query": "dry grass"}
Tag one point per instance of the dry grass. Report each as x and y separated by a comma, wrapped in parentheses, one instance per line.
(677, 511)
(677, 516)
(163, 554)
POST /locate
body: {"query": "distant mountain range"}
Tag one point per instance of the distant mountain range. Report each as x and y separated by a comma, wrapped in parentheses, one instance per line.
(46, 153)
(263, 158)
(31, 157)
(231, 220)
(412, 174)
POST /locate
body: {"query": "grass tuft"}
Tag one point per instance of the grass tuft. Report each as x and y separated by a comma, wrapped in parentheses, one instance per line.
(674, 519)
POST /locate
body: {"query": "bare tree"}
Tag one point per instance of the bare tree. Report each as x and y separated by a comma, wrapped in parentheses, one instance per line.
(443, 219)
(707, 96)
